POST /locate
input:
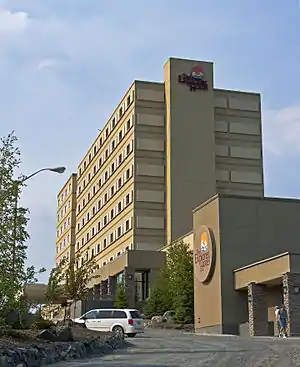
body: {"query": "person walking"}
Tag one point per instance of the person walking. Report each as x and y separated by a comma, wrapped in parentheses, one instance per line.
(283, 321)
(277, 311)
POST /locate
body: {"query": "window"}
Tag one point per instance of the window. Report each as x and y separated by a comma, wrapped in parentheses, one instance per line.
(112, 190)
(83, 202)
(79, 189)
(99, 204)
(94, 190)
(89, 177)
(93, 231)
(128, 125)
(112, 214)
(95, 169)
(128, 101)
(100, 142)
(119, 231)
(98, 247)
(141, 287)
(105, 198)
(112, 237)
(88, 216)
(100, 162)
(87, 237)
(127, 174)
(113, 123)
(100, 183)
(104, 243)
(93, 252)
(95, 149)
(90, 157)
(84, 165)
(119, 183)
(105, 220)
(83, 183)
(79, 171)
(127, 225)
(82, 222)
(112, 168)
(89, 196)
(78, 226)
(135, 314)
(105, 314)
(120, 112)
(94, 210)
(82, 241)
(120, 158)
(106, 175)
(111, 259)
(99, 226)
(119, 206)
(106, 153)
(119, 253)
(113, 145)
(119, 315)
(91, 315)
(106, 133)
(127, 199)
(120, 135)
(128, 149)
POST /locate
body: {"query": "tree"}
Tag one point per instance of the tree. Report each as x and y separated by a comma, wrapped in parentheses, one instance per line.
(160, 300)
(120, 298)
(67, 282)
(13, 233)
(174, 288)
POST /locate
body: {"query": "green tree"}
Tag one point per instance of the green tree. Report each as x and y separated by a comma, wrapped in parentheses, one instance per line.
(13, 233)
(174, 288)
(120, 298)
(69, 281)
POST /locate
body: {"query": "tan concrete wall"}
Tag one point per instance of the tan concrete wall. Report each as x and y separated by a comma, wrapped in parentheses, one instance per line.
(208, 303)
(253, 229)
(190, 156)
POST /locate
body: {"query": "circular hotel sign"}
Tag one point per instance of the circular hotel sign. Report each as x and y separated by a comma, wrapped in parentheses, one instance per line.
(204, 254)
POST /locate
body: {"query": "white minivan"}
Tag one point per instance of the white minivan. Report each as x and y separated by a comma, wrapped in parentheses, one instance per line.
(121, 321)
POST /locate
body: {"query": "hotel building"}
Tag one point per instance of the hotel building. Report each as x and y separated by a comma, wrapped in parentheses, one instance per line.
(167, 148)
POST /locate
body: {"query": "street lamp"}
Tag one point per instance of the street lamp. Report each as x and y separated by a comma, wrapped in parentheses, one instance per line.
(58, 170)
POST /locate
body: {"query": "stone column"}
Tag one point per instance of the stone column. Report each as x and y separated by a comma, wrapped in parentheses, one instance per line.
(129, 284)
(111, 286)
(258, 310)
(291, 300)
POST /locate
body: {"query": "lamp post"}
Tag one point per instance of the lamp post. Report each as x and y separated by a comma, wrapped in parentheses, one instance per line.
(58, 170)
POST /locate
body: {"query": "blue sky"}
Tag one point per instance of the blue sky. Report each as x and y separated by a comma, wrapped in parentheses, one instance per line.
(65, 64)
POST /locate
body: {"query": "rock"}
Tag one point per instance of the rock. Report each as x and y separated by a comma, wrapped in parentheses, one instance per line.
(64, 334)
(157, 319)
(168, 316)
(47, 335)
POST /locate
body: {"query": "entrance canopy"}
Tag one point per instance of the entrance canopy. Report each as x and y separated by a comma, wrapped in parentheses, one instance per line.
(268, 271)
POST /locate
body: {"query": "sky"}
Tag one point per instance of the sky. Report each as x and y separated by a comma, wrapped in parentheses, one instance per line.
(65, 65)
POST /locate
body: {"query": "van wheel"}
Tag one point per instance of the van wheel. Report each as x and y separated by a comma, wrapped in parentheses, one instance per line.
(131, 335)
(118, 330)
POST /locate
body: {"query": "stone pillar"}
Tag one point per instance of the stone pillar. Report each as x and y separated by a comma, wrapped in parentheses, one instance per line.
(258, 310)
(111, 286)
(129, 284)
(291, 300)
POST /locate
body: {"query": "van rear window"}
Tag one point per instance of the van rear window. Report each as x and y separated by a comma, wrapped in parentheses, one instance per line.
(135, 314)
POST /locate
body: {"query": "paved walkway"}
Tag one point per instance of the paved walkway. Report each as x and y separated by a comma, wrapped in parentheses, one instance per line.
(172, 348)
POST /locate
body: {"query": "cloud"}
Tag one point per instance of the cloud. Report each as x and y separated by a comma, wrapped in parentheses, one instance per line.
(12, 22)
(281, 129)
(47, 63)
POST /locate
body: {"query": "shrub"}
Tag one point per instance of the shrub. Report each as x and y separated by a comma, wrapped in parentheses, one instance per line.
(120, 299)
(43, 324)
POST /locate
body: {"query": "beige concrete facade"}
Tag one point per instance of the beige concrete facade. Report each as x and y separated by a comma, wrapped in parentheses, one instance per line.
(66, 219)
(166, 149)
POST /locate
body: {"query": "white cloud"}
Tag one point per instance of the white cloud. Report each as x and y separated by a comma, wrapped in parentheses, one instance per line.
(12, 22)
(47, 63)
(281, 130)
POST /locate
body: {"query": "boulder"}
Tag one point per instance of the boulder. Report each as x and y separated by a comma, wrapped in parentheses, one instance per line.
(157, 319)
(64, 334)
(168, 316)
(47, 335)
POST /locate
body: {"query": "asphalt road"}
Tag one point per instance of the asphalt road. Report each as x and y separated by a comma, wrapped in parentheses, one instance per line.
(173, 348)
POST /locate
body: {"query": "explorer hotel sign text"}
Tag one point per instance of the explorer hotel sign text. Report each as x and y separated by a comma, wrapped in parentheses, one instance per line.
(195, 79)
(204, 255)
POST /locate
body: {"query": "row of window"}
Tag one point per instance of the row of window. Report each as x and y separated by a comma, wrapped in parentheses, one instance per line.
(105, 198)
(63, 210)
(65, 193)
(106, 219)
(124, 227)
(63, 227)
(107, 131)
(110, 170)
(63, 243)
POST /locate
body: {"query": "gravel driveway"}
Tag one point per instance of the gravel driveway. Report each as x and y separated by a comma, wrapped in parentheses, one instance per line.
(173, 348)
